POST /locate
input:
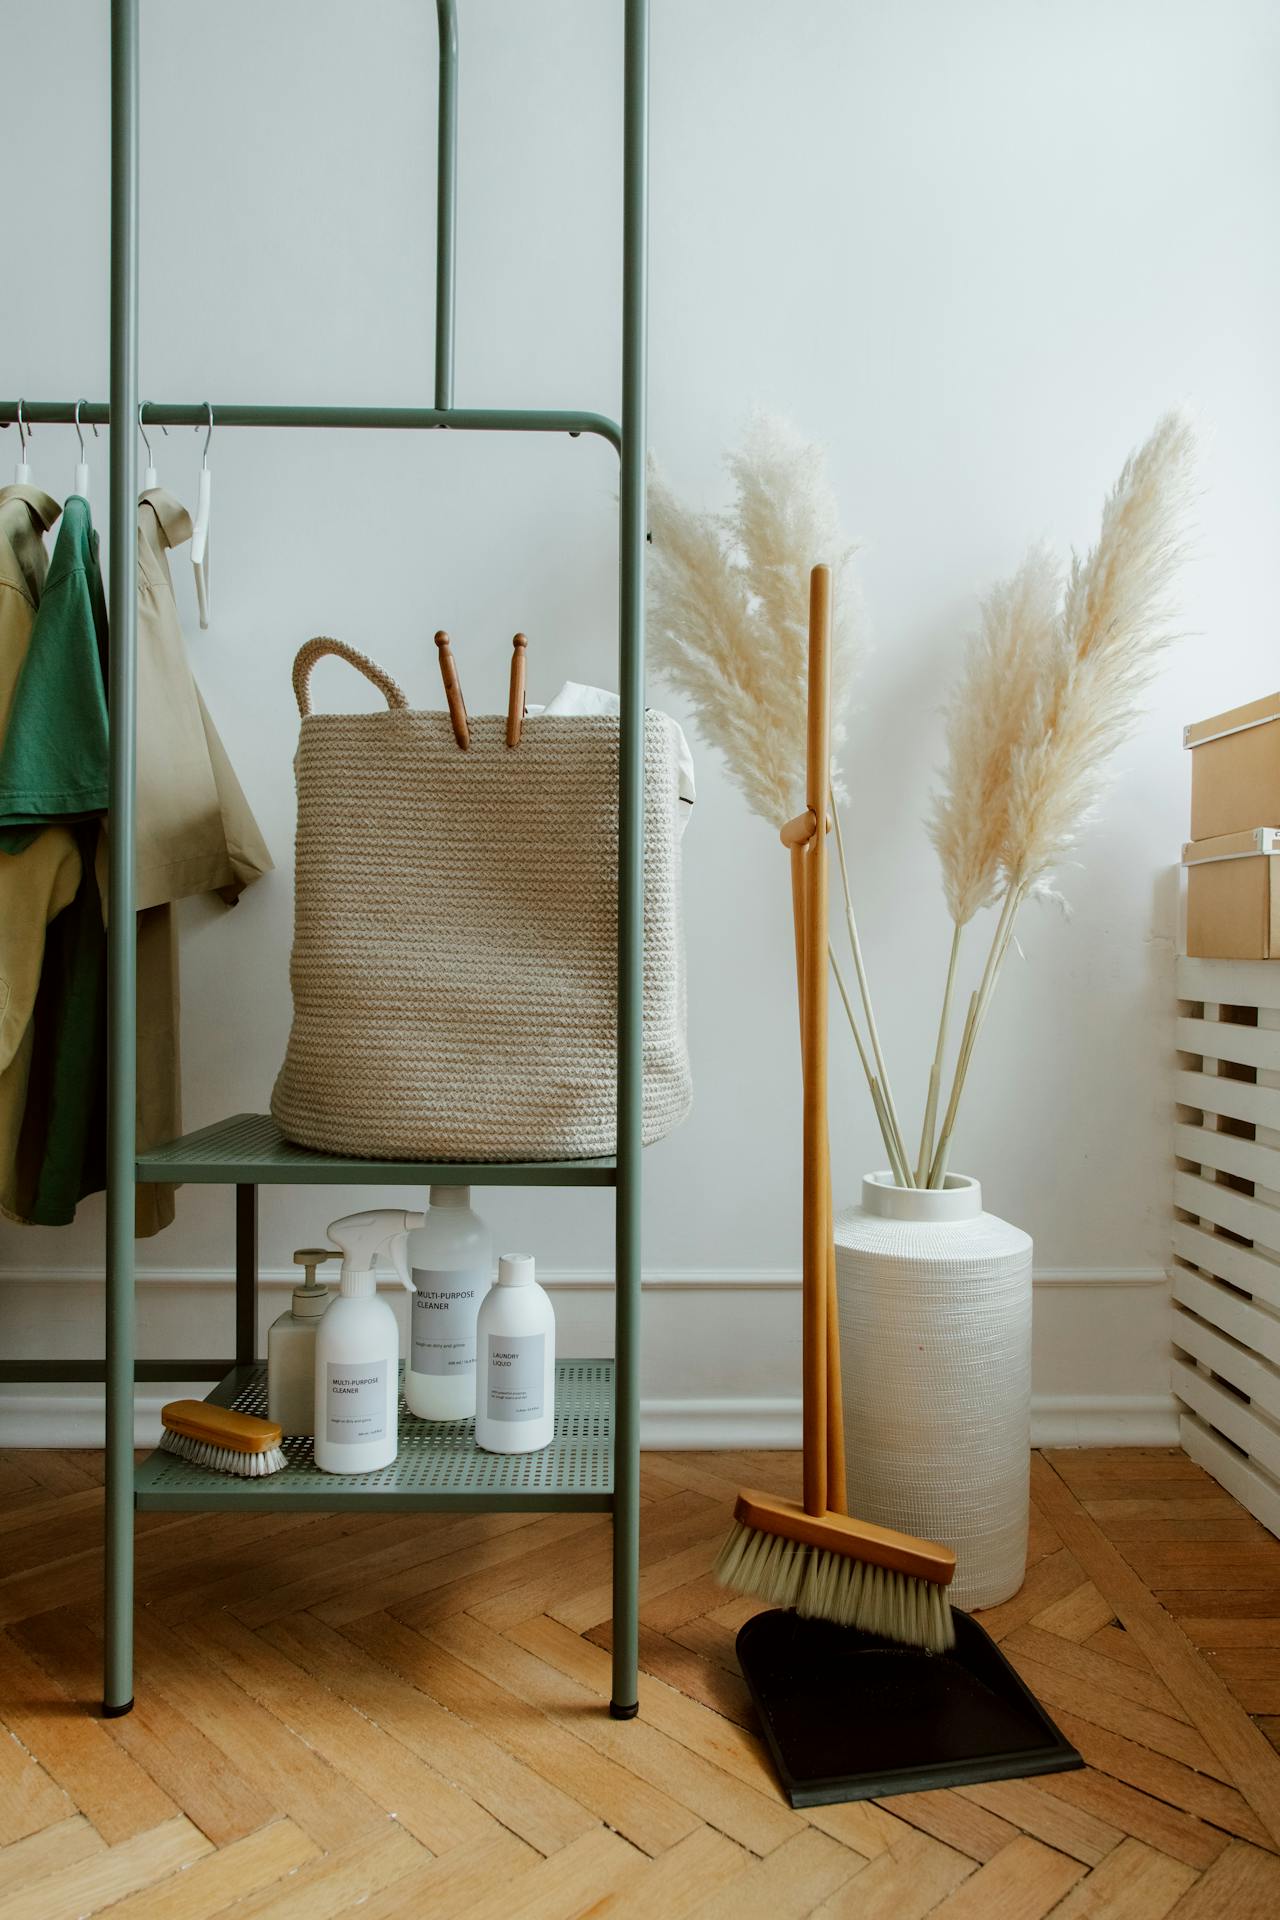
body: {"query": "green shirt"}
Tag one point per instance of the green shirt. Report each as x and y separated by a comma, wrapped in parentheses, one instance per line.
(53, 763)
(53, 768)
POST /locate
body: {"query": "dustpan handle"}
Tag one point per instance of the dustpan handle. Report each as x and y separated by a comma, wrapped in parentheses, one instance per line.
(817, 1169)
(313, 650)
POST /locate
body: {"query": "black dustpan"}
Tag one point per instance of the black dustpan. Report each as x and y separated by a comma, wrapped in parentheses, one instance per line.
(849, 1716)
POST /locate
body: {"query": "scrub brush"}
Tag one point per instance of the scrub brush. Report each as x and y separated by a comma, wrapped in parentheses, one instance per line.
(808, 1555)
(221, 1439)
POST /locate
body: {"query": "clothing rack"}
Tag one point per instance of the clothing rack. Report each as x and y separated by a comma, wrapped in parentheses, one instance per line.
(594, 1462)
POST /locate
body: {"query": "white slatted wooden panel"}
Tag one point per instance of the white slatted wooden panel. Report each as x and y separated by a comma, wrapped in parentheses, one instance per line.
(1238, 1099)
(1230, 983)
(1226, 1266)
(1226, 1207)
(1232, 1470)
(1252, 1324)
(1229, 1040)
(1236, 1419)
(1228, 1153)
(1240, 1266)
(1247, 1372)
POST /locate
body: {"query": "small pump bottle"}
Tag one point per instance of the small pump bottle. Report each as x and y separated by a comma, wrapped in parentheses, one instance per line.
(358, 1350)
(450, 1262)
(291, 1349)
(516, 1351)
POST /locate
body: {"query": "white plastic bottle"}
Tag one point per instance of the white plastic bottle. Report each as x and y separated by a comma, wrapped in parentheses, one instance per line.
(358, 1351)
(291, 1349)
(516, 1346)
(450, 1263)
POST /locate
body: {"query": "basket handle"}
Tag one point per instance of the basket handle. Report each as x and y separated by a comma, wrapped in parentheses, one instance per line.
(313, 650)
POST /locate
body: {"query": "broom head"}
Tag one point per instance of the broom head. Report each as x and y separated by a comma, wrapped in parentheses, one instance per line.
(830, 1567)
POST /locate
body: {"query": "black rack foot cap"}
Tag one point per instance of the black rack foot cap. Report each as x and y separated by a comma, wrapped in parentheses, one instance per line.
(114, 1713)
(624, 1713)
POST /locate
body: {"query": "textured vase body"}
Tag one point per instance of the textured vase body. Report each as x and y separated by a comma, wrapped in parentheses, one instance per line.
(935, 1330)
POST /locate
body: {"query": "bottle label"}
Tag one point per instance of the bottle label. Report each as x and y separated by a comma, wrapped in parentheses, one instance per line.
(517, 1368)
(356, 1401)
(444, 1320)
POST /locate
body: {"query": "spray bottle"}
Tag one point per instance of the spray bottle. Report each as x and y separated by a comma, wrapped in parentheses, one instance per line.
(358, 1348)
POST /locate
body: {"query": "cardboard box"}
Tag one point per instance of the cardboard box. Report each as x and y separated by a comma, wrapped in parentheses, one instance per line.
(1235, 768)
(1233, 896)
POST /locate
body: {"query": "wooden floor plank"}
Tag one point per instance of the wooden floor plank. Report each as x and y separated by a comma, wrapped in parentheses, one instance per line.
(202, 1782)
(1024, 1881)
(384, 1716)
(1142, 1815)
(1095, 1669)
(456, 1777)
(340, 1882)
(1242, 1884)
(903, 1883)
(38, 1855)
(754, 1818)
(1132, 1883)
(1251, 1761)
(650, 1820)
(788, 1885)
(108, 1787)
(86, 1885)
(244, 1868)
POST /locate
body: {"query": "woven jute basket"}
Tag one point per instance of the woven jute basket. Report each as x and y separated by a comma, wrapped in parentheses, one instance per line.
(455, 938)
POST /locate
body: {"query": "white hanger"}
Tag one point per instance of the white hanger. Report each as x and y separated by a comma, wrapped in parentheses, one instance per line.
(22, 472)
(200, 533)
(82, 466)
(149, 478)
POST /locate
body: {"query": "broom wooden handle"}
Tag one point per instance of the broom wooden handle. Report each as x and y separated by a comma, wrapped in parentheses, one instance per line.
(813, 1018)
(837, 1498)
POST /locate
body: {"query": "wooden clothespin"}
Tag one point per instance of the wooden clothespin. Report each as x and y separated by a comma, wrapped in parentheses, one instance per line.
(516, 699)
(453, 692)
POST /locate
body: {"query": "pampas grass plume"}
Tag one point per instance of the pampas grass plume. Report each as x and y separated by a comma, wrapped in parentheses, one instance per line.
(729, 608)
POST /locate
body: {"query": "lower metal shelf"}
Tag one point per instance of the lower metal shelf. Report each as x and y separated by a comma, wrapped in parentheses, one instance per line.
(439, 1466)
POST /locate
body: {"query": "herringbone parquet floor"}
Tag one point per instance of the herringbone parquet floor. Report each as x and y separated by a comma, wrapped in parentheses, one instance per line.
(405, 1717)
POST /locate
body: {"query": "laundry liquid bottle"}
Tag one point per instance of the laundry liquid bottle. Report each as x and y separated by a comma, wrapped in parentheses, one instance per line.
(450, 1264)
(516, 1344)
(358, 1349)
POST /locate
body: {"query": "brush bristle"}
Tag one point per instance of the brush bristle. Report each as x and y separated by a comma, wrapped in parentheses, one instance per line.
(249, 1466)
(822, 1585)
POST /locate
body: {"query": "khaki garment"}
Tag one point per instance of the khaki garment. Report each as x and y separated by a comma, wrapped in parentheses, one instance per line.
(195, 832)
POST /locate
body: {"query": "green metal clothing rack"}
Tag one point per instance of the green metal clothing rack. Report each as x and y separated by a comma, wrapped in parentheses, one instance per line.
(594, 1462)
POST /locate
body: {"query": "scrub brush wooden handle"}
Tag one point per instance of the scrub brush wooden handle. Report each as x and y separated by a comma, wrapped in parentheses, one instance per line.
(221, 1438)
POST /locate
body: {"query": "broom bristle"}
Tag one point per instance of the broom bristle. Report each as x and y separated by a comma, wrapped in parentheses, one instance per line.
(822, 1585)
(201, 1453)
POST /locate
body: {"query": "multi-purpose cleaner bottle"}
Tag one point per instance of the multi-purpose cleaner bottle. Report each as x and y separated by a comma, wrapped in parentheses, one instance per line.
(358, 1349)
(516, 1342)
(450, 1263)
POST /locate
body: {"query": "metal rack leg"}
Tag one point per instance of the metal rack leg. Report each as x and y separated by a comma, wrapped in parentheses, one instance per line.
(246, 1276)
(624, 1703)
(117, 1687)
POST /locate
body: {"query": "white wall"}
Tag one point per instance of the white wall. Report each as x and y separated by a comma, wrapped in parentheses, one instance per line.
(978, 249)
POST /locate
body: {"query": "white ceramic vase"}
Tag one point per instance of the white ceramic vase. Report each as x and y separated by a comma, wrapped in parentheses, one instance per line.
(935, 1331)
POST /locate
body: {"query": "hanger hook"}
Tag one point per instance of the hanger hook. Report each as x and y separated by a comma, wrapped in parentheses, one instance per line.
(142, 430)
(209, 435)
(24, 432)
(79, 433)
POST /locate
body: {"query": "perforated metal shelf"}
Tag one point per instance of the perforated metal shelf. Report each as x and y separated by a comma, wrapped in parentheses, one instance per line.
(439, 1466)
(248, 1149)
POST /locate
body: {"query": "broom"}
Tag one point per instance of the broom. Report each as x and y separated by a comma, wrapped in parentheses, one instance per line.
(809, 1554)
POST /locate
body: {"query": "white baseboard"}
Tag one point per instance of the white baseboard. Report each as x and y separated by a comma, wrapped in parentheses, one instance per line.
(73, 1417)
(1099, 1372)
